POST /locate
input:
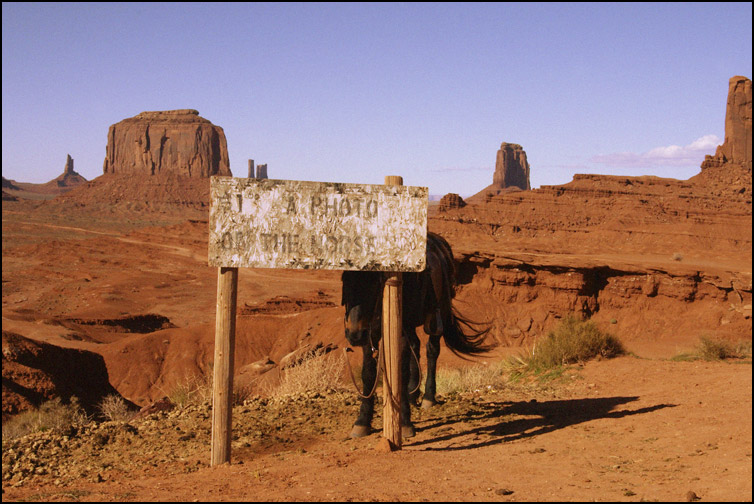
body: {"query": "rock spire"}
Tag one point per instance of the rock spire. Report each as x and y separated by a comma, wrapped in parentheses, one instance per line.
(511, 167)
(736, 148)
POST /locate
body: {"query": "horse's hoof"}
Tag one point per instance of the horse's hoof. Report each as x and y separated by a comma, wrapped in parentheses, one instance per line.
(427, 404)
(408, 431)
(360, 431)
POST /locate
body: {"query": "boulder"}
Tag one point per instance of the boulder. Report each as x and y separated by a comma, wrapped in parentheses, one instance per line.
(172, 141)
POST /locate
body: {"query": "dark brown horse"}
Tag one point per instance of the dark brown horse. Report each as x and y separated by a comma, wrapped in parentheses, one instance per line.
(427, 301)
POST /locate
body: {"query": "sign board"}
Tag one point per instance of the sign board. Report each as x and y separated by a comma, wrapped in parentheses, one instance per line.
(265, 223)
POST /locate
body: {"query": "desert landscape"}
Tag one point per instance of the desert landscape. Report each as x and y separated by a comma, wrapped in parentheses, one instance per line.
(107, 293)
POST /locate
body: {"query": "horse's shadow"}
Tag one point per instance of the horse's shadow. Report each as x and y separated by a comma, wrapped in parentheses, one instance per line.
(502, 422)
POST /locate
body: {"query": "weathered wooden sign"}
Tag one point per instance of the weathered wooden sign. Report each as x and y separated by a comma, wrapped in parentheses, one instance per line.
(265, 223)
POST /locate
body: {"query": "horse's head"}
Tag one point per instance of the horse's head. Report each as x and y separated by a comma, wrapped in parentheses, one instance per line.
(361, 294)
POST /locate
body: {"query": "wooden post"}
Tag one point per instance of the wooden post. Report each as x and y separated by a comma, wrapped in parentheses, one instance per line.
(392, 324)
(222, 383)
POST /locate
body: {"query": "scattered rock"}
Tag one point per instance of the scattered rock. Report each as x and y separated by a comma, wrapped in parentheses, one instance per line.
(163, 404)
(258, 367)
(692, 496)
(305, 353)
(385, 445)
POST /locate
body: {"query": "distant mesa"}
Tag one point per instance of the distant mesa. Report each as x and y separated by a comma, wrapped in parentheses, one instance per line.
(13, 191)
(736, 148)
(171, 141)
(10, 184)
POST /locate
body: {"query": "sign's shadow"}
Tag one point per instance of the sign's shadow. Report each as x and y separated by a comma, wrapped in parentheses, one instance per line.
(500, 422)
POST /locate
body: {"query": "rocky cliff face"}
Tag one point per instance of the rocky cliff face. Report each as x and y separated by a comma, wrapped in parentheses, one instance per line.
(652, 256)
(174, 141)
(642, 255)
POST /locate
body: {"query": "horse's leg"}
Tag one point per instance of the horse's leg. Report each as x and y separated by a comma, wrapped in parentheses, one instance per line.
(430, 387)
(363, 425)
(414, 371)
(407, 362)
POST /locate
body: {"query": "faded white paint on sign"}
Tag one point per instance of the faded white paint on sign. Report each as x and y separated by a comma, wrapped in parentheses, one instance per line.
(264, 223)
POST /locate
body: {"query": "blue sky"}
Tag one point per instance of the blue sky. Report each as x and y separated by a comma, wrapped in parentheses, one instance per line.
(354, 92)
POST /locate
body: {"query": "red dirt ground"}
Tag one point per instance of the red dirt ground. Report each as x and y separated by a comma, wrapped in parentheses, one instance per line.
(100, 271)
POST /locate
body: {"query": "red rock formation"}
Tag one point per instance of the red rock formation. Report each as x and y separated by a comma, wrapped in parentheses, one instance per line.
(511, 173)
(68, 165)
(176, 141)
(511, 167)
(35, 372)
(69, 179)
(736, 148)
(450, 201)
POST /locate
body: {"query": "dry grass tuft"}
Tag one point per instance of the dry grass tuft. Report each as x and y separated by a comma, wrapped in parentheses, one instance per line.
(317, 372)
(51, 415)
(715, 349)
(476, 378)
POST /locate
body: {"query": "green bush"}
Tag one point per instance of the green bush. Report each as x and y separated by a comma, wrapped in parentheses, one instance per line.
(572, 341)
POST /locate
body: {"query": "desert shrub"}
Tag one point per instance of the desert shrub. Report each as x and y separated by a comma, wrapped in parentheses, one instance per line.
(572, 341)
(114, 408)
(718, 349)
(192, 390)
(316, 373)
(50, 415)
(715, 349)
(242, 393)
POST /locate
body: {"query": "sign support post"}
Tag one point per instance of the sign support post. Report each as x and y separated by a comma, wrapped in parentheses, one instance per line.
(222, 383)
(392, 326)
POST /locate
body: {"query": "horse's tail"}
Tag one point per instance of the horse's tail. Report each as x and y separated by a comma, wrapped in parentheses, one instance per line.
(464, 337)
